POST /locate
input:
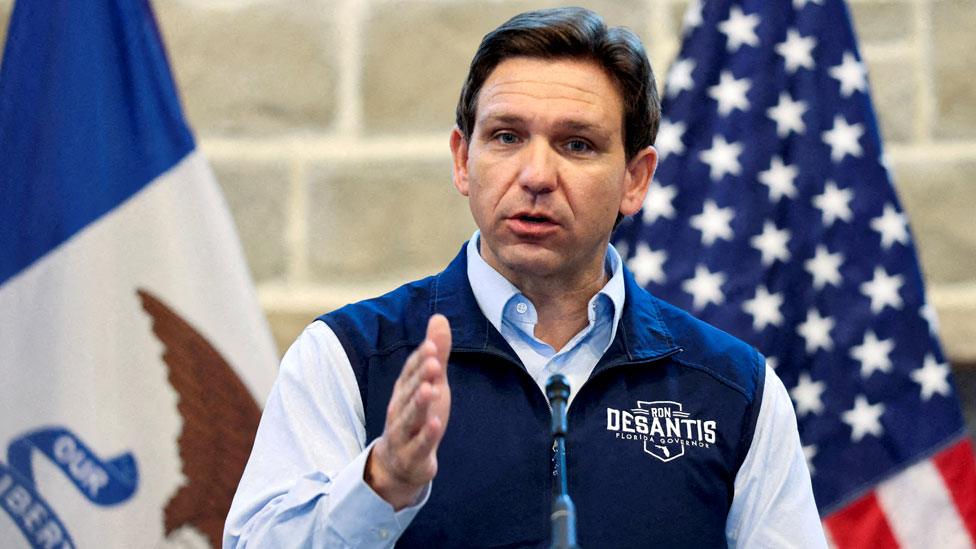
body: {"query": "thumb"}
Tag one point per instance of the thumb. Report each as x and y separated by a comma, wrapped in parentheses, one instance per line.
(439, 331)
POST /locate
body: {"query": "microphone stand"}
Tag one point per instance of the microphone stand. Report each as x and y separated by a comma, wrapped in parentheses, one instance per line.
(563, 518)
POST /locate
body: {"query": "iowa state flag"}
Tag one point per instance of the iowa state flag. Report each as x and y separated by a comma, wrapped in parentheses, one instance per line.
(132, 347)
(773, 217)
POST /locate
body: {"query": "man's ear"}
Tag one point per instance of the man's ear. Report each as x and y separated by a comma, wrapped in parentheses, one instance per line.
(459, 152)
(640, 172)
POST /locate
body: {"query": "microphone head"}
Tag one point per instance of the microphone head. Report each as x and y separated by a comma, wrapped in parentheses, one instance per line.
(557, 388)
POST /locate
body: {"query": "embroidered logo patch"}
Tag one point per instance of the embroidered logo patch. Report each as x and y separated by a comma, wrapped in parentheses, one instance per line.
(663, 426)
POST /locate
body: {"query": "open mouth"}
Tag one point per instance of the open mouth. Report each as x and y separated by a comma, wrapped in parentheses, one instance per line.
(532, 225)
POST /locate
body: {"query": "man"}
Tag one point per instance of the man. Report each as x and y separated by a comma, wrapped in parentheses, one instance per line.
(678, 433)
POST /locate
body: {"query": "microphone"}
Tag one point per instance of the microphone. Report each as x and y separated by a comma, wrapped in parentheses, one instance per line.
(563, 517)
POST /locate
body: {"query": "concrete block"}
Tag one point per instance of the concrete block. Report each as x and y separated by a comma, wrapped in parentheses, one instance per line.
(883, 22)
(257, 194)
(370, 221)
(939, 198)
(956, 308)
(418, 53)
(253, 67)
(953, 59)
(894, 97)
(286, 325)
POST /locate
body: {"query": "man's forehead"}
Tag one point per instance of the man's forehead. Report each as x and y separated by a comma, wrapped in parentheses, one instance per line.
(576, 78)
(520, 84)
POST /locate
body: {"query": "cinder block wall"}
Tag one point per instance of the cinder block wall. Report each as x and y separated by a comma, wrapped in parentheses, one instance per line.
(326, 122)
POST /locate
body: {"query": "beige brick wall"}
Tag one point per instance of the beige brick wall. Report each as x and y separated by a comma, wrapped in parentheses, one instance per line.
(326, 122)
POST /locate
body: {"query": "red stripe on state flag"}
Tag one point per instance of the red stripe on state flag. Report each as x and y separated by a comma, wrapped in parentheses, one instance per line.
(957, 465)
(861, 525)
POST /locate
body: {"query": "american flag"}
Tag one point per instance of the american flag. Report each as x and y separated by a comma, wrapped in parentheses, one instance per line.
(772, 216)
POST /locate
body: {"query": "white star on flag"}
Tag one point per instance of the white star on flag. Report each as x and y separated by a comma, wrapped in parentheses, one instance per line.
(788, 115)
(799, 4)
(730, 93)
(806, 395)
(679, 77)
(843, 139)
(931, 317)
(669, 138)
(892, 226)
(797, 51)
(713, 222)
(659, 202)
(864, 418)
(722, 158)
(740, 29)
(692, 18)
(779, 178)
(764, 309)
(932, 377)
(873, 354)
(647, 265)
(850, 73)
(834, 203)
(705, 287)
(824, 267)
(883, 290)
(815, 331)
(771, 243)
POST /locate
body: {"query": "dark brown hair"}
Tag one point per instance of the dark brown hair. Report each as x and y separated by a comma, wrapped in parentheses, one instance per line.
(575, 33)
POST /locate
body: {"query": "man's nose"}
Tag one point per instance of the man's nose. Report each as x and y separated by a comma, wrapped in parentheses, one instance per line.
(539, 171)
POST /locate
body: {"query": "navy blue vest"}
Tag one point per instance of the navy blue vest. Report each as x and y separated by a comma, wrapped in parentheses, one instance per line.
(656, 434)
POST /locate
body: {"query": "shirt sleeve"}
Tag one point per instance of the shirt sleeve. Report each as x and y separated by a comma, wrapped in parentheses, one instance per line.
(773, 505)
(303, 484)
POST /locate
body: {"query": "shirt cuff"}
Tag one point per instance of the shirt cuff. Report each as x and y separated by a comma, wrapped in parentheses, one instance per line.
(360, 517)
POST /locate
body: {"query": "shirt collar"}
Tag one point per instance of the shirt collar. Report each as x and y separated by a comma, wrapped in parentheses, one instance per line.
(493, 291)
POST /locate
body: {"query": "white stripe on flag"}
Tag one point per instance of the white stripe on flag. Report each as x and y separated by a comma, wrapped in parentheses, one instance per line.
(920, 510)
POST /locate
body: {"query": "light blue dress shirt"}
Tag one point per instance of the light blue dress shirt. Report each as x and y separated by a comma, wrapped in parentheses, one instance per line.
(514, 316)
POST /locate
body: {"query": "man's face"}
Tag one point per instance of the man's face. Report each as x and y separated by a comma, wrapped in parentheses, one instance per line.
(545, 171)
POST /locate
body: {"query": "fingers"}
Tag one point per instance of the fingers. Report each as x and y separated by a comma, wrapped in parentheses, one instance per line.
(417, 414)
(410, 377)
(404, 421)
(422, 447)
(439, 332)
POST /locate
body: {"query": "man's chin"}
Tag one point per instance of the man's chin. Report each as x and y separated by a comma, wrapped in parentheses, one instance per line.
(525, 260)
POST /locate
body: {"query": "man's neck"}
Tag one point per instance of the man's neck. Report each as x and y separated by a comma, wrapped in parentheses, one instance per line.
(561, 304)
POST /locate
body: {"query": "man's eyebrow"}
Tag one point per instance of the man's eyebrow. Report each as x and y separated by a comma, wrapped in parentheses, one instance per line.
(580, 126)
(509, 119)
(569, 125)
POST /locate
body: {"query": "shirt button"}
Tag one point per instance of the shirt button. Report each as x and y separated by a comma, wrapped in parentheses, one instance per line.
(384, 533)
(521, 308)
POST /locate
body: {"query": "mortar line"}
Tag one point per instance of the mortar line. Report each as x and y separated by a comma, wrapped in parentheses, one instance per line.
(924, 79)
(348, 25)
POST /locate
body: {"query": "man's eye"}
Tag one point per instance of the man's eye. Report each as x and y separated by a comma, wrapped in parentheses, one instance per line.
(506, 138)
(578, 146)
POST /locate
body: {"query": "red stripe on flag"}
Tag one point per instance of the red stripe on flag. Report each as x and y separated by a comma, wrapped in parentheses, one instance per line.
(861, 524)
(957, 466)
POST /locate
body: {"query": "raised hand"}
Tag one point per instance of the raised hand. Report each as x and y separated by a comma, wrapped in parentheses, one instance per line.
(404, 458)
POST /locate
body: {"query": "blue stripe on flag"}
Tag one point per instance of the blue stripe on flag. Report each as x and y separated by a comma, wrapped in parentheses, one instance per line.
(88, 116)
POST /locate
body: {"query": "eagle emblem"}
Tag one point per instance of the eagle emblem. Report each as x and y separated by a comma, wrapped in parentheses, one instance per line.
(220, 419)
